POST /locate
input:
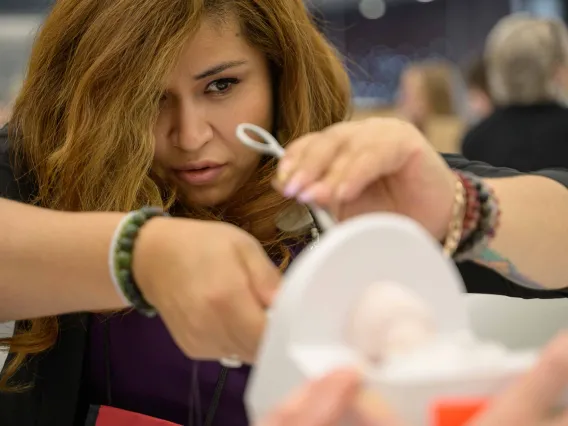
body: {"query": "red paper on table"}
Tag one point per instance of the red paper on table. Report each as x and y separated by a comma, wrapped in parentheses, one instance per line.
(456, 412)
(109, 416)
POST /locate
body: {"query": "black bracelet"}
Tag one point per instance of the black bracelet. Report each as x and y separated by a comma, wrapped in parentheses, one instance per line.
(482, 217)
(121, 254)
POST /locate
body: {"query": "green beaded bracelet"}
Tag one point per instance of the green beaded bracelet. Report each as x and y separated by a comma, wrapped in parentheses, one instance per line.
(120, 258)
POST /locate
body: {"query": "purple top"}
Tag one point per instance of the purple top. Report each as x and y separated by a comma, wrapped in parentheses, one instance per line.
(150, 375)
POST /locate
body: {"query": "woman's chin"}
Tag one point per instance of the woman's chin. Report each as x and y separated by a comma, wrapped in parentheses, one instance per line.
(205, 197)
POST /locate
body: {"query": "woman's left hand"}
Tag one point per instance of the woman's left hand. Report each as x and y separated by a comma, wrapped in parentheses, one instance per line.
(372, 165)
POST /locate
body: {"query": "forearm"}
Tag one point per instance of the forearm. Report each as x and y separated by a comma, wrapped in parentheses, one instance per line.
(532, 239)
(53, 263)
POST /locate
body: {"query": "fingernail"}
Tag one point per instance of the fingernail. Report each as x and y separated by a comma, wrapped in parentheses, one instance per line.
(306, 196)
(319, 192)
(293, 187)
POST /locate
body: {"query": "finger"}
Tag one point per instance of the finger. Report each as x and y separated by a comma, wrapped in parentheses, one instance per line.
(370, 409)
(294, 151)
(245, 321)
(189, 335)
(306, 158)
(533, 396)
(186, 310)
(246, 311)
(315, 161)
(322, 191)
(320, 403)
(239, 312)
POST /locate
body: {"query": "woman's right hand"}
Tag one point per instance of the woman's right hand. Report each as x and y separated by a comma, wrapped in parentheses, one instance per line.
(533, 400)
(211, 283)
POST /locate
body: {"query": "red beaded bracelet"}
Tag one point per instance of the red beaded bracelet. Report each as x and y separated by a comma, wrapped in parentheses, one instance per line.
(481, 217)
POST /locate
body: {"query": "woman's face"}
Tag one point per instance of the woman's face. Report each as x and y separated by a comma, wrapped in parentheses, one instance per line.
(219, 82)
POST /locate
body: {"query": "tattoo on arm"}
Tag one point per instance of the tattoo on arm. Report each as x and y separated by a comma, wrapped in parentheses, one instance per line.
(504, 267)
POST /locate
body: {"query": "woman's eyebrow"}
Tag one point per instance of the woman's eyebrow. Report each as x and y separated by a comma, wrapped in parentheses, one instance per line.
(216, 69)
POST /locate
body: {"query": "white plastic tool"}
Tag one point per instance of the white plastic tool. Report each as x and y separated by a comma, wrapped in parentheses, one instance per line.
(268, 145)
(309, 322)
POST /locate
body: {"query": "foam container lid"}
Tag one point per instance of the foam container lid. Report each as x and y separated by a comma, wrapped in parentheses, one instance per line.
(306, 335)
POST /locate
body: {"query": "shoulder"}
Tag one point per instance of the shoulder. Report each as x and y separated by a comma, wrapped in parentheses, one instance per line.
(559, 111)
(496, 119)
(18, 189)
(557, 121)
(458, 162)
(482, 132)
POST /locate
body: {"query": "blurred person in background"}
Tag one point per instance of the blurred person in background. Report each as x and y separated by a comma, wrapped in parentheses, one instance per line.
(426, 99)
(425, 91)
(479, 102)
(527, 66)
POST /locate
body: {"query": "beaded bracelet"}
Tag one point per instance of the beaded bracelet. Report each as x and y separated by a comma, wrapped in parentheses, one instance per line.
(120, 258)
(455, 228)
(481, 218)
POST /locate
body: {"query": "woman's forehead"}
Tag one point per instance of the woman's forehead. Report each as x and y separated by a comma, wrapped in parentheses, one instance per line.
(216, 42)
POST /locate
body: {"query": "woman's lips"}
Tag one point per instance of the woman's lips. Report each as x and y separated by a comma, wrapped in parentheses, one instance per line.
(204, 176)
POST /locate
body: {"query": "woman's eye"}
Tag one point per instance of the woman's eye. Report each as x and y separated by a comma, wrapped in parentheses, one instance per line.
(221, 86)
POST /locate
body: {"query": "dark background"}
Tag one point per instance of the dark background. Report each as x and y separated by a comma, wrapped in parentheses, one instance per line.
(377, 50)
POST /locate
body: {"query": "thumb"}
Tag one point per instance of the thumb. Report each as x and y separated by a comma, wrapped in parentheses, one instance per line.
(370, 409)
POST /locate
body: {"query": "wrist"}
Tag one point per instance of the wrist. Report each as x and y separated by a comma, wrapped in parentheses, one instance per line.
(454, 228)
(480, 217)
(147, 254)
(124, 246)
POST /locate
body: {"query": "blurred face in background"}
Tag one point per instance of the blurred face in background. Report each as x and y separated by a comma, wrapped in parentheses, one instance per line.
(412, 102)
(479, 105)
(561, 82)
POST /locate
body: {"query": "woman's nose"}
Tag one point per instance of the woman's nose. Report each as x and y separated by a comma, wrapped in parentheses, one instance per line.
(194, 129)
